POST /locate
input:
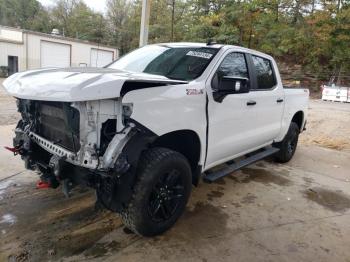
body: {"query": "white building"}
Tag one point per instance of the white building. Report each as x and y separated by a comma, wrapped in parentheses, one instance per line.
(24, 50)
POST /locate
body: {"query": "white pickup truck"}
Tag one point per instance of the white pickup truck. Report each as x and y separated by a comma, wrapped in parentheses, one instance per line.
(145, 128)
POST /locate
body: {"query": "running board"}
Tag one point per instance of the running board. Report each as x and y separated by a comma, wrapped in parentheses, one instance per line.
(252, 158)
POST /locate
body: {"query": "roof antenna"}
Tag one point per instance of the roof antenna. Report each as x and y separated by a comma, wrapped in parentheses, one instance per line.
(211, 42)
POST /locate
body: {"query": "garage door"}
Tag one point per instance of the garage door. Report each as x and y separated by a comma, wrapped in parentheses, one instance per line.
(100, 58)
(54, 54)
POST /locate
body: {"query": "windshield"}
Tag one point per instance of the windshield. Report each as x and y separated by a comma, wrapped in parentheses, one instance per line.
(182, 63)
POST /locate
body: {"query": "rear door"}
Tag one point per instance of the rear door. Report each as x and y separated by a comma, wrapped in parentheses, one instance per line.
(269, 97)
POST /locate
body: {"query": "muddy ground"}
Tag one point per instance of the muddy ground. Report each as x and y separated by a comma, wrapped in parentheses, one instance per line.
(267, 212)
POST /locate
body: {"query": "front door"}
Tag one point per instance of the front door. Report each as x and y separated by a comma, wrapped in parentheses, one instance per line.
(230, 121)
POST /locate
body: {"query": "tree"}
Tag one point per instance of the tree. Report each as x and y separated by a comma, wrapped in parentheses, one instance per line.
(121, 16)
(75, 19)
(314, 34)
(26, 14)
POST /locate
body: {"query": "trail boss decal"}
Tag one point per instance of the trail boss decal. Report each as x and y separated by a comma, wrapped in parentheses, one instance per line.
(191, 92)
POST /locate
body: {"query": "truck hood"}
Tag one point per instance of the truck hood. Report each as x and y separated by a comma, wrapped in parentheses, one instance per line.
(77, 84)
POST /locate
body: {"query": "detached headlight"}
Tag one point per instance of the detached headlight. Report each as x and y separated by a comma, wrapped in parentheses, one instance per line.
(127, 110)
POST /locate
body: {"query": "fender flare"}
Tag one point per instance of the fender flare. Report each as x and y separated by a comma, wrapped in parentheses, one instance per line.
(115, 190)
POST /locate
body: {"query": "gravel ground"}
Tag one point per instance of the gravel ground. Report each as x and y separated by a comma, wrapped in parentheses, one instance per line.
(328, 125)
(298, 211)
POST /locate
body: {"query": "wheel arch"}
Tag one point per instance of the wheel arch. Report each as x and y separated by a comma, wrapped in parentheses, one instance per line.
(186, 142)
(298, 118)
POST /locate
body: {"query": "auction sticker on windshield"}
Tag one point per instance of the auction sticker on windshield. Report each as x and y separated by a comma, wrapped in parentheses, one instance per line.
(200, 54)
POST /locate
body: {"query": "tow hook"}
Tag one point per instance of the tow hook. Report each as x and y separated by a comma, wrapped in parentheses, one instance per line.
(14, 150)
(47, 180)
(42, 185)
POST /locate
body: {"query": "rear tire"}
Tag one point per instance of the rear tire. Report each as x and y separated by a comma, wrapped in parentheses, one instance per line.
(161, 192)
(288, 145)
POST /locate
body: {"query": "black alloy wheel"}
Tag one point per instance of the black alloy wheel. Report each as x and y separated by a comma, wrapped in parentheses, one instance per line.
(166, 196)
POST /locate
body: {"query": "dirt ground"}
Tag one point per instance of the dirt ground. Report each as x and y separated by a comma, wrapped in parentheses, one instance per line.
(298, 211)
(328, 125)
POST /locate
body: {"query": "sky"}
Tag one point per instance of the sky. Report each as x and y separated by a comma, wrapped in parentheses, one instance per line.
(97, 5)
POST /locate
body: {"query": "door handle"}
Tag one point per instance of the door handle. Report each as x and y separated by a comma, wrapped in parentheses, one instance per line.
(251, 103)
(279, 100)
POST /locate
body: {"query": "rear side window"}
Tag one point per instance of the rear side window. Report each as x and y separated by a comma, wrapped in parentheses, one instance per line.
(265, 76)
(234, 65)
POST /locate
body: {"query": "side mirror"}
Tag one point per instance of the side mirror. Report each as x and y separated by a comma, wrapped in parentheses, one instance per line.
(225, 85)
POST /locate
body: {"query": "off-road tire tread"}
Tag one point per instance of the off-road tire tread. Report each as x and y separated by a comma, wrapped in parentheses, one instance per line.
(282, 155)
(148, 160)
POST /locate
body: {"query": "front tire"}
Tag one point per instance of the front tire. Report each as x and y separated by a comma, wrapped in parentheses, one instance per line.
(288, 145)
(160, 194)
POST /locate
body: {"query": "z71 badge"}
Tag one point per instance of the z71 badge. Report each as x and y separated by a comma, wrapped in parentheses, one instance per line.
(190, 92)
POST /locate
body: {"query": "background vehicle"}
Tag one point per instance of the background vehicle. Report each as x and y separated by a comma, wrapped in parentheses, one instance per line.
(151, 124)
(337, 90)
(335, 93)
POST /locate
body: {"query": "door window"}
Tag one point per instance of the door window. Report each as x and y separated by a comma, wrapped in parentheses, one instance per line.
(234, 64)
(265, 75)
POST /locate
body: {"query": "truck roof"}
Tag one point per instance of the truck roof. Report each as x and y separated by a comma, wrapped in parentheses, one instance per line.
(190, 44)
(214, 45)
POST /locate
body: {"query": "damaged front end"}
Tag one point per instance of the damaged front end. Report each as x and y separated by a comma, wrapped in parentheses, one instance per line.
(91, 143)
